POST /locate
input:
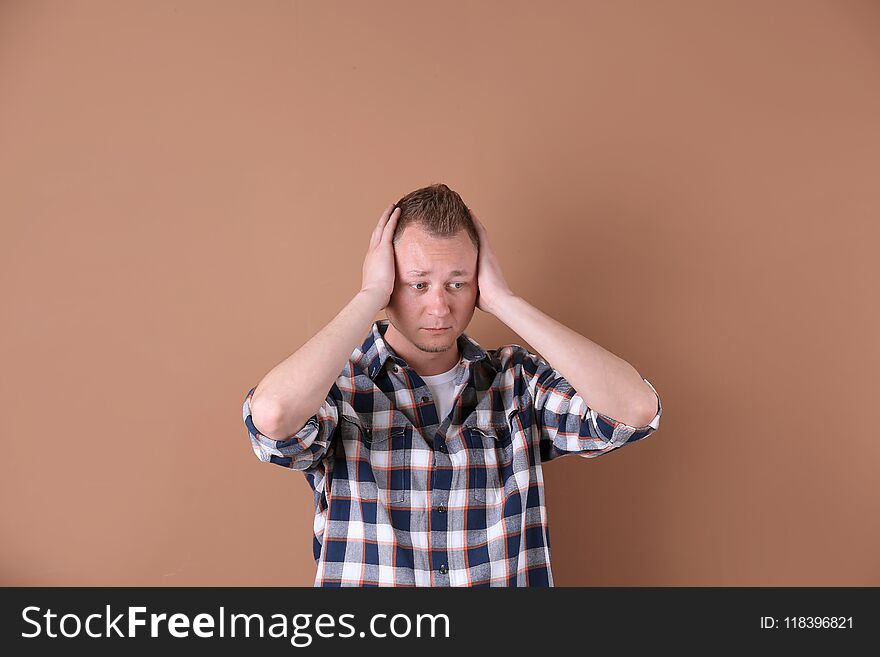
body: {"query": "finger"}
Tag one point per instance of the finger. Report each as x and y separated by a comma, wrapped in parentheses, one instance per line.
(477, 223)
(376, 236)
(385, 215)
(388, 232)
(482, 235)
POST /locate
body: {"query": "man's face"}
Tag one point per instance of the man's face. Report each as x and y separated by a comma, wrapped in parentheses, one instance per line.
(435, 286)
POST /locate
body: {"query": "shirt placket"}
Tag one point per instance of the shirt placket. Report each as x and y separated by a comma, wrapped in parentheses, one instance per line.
(439, 483)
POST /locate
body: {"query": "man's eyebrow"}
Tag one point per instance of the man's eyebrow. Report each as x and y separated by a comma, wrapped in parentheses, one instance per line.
(454, 272)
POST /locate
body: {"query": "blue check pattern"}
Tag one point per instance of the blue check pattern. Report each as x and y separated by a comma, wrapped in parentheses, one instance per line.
(405, 498)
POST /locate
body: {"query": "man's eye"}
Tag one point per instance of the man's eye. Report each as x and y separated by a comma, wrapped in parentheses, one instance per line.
(421, 288)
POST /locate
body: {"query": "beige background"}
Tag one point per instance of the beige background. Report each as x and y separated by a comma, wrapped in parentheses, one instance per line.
(188, 190)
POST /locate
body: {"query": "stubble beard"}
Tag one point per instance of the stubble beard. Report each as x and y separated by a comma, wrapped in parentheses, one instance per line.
(432, 349)
(429, 349)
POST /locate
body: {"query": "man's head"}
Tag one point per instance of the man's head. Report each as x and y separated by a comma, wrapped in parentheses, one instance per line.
(435, 252)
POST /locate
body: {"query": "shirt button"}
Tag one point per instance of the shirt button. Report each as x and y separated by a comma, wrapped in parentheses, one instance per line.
(424, 400)
(442, 448)
(443, 569)
(441, 508)
(396, 369)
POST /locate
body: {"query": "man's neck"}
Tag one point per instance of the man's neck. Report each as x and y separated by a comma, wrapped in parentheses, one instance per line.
(424, 363)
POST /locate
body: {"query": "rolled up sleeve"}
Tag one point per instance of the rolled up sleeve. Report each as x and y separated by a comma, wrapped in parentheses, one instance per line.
(305, 449)
(566, 424)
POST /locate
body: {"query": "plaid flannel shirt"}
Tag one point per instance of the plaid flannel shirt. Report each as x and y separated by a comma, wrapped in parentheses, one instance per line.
(404, 498)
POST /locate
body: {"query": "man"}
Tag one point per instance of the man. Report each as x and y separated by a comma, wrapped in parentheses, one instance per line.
(425, 456)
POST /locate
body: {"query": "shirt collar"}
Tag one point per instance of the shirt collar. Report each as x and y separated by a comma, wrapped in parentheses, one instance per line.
(375, 351)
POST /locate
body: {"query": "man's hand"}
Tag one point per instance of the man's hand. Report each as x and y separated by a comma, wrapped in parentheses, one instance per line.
(378, 272)
(490, 281)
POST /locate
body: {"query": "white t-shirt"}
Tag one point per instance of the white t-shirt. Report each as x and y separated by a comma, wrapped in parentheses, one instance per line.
(442, 387)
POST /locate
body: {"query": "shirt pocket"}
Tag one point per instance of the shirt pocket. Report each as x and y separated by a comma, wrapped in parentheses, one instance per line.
(380, 464)
(488, 458)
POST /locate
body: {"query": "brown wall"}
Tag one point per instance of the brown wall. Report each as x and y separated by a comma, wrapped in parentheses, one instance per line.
(188, 190)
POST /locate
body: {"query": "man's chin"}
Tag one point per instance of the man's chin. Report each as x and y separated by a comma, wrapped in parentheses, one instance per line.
(433, 348)
(442, 343)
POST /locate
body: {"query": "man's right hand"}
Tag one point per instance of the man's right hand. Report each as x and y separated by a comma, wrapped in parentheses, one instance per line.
(378, 273)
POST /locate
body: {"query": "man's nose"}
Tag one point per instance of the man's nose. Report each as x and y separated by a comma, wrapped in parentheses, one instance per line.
(439, 303)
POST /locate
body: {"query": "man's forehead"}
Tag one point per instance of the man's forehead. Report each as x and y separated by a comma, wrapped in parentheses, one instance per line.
(454, 272)
(424, 254)
(422, 262)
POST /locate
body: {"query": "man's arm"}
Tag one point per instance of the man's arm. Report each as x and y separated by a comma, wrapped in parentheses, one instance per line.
(297, 387)
(607, 383)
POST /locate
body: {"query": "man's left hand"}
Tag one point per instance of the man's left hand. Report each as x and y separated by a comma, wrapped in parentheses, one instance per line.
(490, 281)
